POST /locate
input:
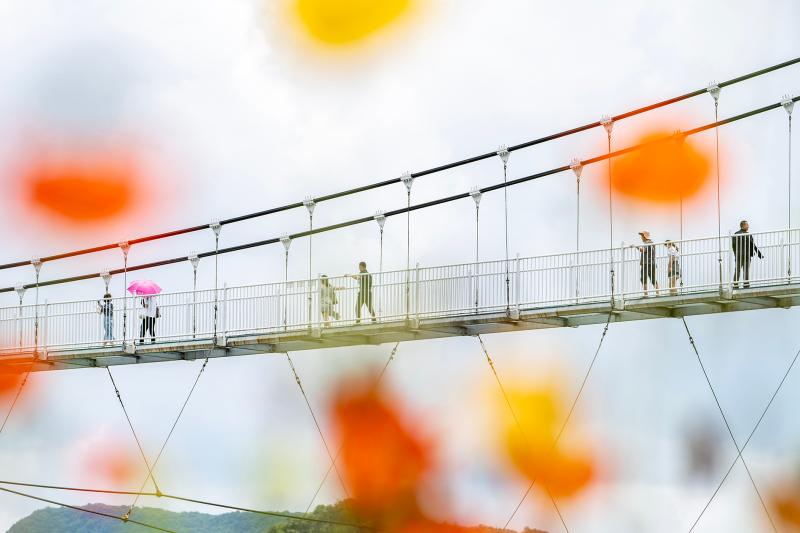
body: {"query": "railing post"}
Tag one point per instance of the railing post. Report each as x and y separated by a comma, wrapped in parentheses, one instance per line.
(783, 260)
(733, 269)
(517, 285)
(622, 271)
(224, 314)
(45, 328)
(416, 292)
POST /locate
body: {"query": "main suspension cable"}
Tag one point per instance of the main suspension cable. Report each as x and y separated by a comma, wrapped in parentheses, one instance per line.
(418, 174)
(404, 210)
(569, 414)
(727, 425)
(173, 497)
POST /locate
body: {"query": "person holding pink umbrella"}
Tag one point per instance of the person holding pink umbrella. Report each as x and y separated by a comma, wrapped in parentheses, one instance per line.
(150, 312)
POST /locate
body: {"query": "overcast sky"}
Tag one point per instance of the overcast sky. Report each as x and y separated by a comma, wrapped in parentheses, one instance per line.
(237, 117)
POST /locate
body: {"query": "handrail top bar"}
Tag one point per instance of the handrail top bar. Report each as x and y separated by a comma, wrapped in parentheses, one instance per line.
(233, 288)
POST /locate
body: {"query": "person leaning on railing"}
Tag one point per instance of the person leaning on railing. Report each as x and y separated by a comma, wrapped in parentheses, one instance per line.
(744, 248)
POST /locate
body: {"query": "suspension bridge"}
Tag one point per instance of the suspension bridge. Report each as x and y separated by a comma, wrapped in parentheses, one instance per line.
(570, 289)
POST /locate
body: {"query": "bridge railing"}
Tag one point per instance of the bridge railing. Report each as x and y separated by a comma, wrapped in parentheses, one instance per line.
(421, 293)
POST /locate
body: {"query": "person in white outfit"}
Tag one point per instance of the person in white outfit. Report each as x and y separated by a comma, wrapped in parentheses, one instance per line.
(149, 314)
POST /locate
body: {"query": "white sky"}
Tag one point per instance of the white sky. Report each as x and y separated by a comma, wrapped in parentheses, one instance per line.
(241, 122)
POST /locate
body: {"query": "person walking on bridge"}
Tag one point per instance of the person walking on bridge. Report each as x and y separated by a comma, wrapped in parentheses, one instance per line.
(647, 261)
(106, 309)
(328, 300)
(744, 248)
(364, 279)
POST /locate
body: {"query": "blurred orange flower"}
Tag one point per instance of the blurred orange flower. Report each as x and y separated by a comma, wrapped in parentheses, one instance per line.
(384, 461)
(10, 379)
(111, 463)
(661, 171)
(80, 186)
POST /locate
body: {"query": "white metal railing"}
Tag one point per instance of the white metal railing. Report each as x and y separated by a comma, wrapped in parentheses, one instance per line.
(420, 293)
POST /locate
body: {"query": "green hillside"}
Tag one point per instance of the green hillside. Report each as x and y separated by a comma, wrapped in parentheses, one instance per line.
(63, 520)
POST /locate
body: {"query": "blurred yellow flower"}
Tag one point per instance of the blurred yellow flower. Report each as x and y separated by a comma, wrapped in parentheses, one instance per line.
(345, 22)
(531, 448)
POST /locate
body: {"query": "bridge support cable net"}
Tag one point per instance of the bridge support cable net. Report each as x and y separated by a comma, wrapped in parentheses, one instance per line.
(408, 181)
(377, 383)
(217, 505)
(384, 183)
(608, 125)
(569, 413)
(133, 431)
(727, 426)
(84, 510)
(747, 441)
(517, 422)
(408, 209)
(316, 423)
(169, 435)
(504, 154)
(714, 91)
(788, 105)
(577, 169)
(380, 219)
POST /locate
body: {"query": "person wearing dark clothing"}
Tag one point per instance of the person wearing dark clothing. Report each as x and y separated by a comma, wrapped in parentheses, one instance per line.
(647, 261)
(364, 297)
(744, 248)
(106, 309)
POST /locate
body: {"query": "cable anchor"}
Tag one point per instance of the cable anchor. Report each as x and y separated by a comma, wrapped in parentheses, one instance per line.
(408, 180)
(503, 153)
(714, 90)
(788, 103)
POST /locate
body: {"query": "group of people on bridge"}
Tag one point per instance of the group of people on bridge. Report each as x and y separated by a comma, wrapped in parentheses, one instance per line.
(742, 243)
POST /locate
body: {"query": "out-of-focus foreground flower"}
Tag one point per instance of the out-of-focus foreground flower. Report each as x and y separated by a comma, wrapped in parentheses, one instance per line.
(531, 448)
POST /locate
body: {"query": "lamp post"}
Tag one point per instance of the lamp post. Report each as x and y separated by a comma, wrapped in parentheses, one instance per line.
(476, 194)
(380, 218)
(310, 205)
(194, 259)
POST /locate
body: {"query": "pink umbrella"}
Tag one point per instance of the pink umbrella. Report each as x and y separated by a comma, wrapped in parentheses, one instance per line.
(144, 287)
